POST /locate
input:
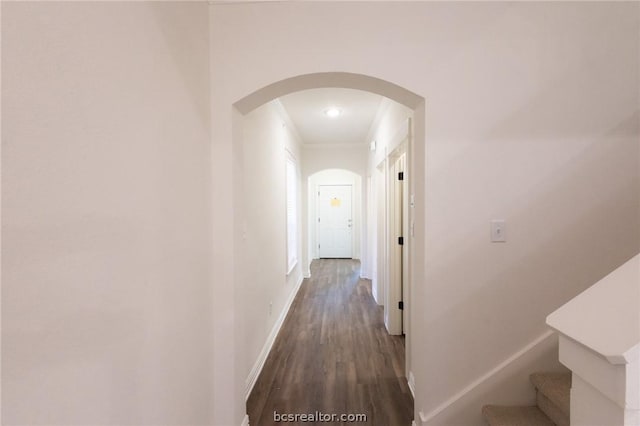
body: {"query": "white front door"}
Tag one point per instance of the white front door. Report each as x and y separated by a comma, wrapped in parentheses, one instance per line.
(334, 221)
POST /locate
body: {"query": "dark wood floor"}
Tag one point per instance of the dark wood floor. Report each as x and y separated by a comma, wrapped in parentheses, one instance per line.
(334, 355)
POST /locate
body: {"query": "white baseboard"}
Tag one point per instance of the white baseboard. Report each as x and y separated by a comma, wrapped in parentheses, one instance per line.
(469, 391)
(245, 421)
(257, 366)
(411, 381)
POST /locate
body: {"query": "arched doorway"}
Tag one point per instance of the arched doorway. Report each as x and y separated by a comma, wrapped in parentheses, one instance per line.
(243, 109)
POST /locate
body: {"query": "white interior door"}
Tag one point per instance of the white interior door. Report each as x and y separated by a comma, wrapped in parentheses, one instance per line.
(335, 222)
(402, 229)
(395, 311)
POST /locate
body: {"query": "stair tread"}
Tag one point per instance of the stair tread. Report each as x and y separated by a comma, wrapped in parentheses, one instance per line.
(556, 387)
(497, 415)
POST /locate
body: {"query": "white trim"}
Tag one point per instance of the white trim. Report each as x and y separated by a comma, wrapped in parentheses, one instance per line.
(412, 384)
(424, 418)
(245, 421)
(292, 267)
(257, 366)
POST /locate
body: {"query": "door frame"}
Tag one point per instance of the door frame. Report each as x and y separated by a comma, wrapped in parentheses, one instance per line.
(317, 215)
(396, 321)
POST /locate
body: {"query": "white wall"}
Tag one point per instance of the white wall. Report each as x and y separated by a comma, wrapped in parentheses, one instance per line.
(389, 123)
(106, 285)
(112, 290)
(531, 116)
(352, 157)
(262, 278)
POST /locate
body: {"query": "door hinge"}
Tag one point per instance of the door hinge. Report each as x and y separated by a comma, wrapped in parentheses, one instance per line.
(400, 175)
(401, 305)
(318, 220)
(401, 241)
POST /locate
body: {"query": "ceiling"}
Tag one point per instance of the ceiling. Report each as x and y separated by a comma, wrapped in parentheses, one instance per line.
(307, 112)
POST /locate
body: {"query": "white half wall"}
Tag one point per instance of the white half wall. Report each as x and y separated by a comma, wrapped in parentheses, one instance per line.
(106, 214)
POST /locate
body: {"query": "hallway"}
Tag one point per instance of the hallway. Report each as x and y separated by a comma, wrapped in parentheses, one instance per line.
(334, 355)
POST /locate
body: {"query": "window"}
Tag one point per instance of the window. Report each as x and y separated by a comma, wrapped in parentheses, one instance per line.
(292, 213)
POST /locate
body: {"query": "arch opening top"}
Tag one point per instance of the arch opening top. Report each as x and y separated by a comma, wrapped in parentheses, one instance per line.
(334, 171)
(325, 80)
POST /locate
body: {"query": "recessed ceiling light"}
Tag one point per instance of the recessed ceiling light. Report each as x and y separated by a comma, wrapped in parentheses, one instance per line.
(332, 112)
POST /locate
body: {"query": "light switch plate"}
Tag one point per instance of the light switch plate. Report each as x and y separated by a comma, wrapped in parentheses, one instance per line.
(498, 231)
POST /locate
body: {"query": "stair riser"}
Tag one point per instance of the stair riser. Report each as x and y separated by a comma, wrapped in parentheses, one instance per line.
(496, 415)
(551, 410)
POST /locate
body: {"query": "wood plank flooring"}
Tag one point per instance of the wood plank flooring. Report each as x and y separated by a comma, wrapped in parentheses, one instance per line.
(334, 355)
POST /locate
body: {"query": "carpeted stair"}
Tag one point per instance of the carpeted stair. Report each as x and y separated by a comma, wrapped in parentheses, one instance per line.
(552, 409)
